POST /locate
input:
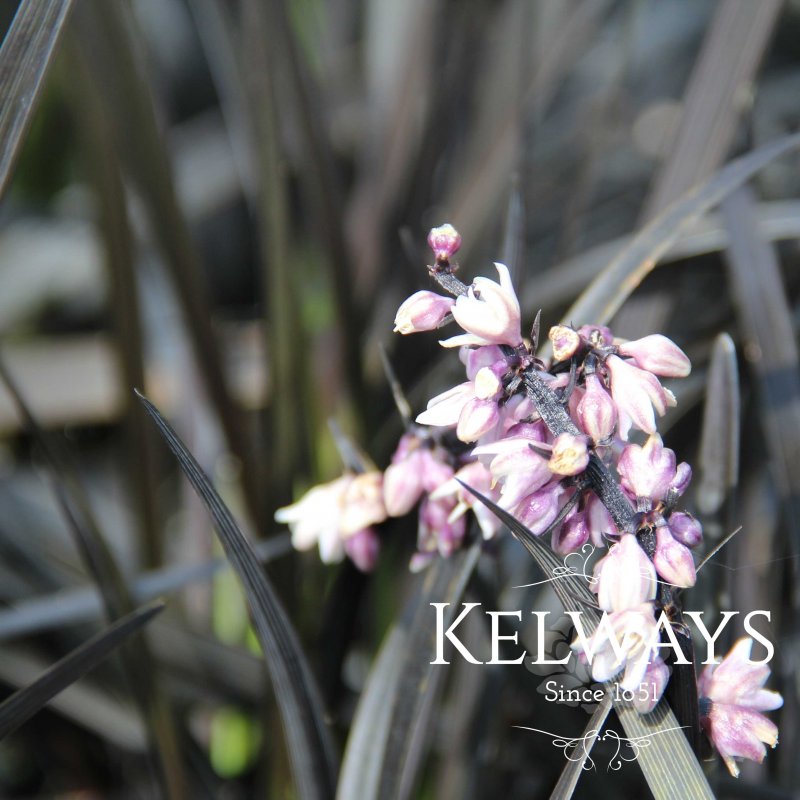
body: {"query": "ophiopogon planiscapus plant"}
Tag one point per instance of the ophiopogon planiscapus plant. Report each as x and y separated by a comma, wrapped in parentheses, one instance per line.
(548, 442)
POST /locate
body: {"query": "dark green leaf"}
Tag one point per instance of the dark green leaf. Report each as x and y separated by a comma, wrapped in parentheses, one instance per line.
(22, 705)
(307, 735)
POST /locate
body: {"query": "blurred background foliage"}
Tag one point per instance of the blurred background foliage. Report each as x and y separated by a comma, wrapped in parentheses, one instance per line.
(224, 201)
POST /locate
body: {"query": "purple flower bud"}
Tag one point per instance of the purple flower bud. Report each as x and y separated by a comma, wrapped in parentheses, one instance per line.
(423, 311)
(565, 341)
(444, 241)
(658, 355)
(362, 548)
(402, 485)
(570, 455)
(655, 680)
(597, 413)
(625, 577)
(647, 471)
(434, 469)
(489, 313)
(637, 394)
(673, 561)
(436, 530)
(572, 535)
(683, 477)
(477, 418)
(686, 529)
(538, 510)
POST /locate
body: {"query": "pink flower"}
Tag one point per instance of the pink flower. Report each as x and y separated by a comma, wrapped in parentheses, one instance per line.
(625, 577)
(476, 476)
(572, 535)
(637, 395)
(537, 511)
(477, 418)
(658, 355)
(597, 413)
(731, 699)
(489, 313)
(685, 528)
(415, 468)
(362, 549)
(314, 519)
(444, 241)
(362, 503)
(436, 530)
(651, 688)
(647, 471)
(635, 633)
(673, 561)
(423, 311)
(445, 409)
(601, 523)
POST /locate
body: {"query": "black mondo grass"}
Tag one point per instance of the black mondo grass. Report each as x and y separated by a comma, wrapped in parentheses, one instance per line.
(24, 703)
(308, 739)
(225, 203)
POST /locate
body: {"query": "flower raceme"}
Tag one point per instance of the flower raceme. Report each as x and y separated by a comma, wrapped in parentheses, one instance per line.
(537, 453)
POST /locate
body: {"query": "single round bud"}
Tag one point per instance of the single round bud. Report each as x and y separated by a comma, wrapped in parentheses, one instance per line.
(444, 241)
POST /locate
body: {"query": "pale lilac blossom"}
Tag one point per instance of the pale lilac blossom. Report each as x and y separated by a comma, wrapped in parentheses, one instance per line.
(732, 698)
(423, 311)
(489, 313)
(659, 355)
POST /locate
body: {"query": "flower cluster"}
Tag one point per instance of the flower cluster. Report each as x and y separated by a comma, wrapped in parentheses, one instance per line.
(533, 435)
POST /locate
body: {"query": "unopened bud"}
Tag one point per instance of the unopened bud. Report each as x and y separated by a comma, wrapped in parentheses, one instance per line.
(659, 355)
(362, 548)
(423, 311)
(686, 529)
(672, 560)
(444, 241)
(597, 412)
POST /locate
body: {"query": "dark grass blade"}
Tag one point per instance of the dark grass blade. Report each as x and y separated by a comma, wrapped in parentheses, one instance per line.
(26, 54)
(609, 290)
(22, 705)
(307, 736)
(444, 581)
(765, 317)
(670, 767)
(100, 563)
(728, 60)
(573, 769)
(82, 604)
(719, 441)
(116, 74)
(370, 729)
